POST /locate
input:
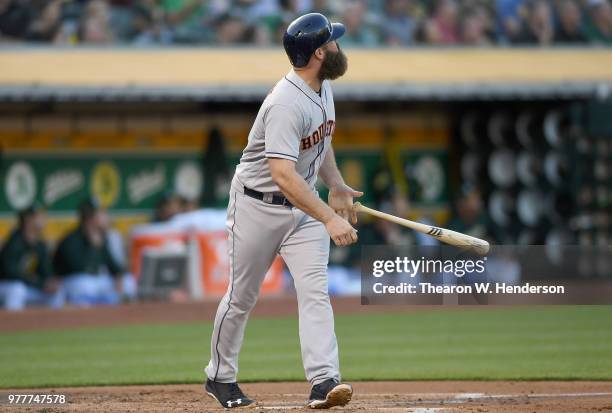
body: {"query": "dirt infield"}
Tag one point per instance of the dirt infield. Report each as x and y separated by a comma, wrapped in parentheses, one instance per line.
(385, 397)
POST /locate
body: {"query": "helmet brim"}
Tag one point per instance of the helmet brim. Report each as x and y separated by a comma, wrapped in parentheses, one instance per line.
(338, 30)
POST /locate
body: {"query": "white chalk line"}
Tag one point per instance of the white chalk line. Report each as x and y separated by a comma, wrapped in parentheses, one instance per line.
(453, 398)
(552, 395)
(378, 409)
(447, 396)
(467, 397)
(463, 396)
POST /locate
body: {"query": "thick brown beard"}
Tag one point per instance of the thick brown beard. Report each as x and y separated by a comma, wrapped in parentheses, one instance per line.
(334, 65)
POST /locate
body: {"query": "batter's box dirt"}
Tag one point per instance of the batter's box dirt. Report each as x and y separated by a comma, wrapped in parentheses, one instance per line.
(383, 397)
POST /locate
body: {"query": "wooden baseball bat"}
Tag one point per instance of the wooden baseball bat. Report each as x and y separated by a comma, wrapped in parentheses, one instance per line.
(469, 243)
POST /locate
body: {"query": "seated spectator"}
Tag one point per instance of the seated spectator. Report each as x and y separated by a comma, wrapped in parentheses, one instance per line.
(325, 7)
(288, 9)
(570, 25)
(443, 27)
(266, 16)
(189, 20)
(231, 30)
(358, 33)
(538, 28)
(510, 16)
(90, 273)
(68, 32)
(121, 17)
(46, 26)
(167, 206)
(147, 24)
(95, 25)
(474, 29)
(485, 13)
(397, 25)
(15, 18)
(270, 18)
(599, 25)
(251, 11)
(25, 266)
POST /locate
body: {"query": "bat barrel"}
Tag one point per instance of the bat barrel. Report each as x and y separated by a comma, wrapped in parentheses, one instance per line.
(457, 239)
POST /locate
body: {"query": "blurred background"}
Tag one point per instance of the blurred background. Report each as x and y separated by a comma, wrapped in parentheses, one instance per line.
(370, 23)
(121, 123)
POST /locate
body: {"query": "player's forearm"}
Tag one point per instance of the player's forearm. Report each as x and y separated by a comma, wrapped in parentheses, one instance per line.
(329, 172)
(297, 191)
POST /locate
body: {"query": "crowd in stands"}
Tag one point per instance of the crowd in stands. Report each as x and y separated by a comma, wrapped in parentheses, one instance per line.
(370, 23)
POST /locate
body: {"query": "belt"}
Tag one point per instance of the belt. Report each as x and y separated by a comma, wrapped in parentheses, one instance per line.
(268, 198)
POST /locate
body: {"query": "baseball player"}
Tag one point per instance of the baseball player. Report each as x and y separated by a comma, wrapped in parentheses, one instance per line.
(274, 209)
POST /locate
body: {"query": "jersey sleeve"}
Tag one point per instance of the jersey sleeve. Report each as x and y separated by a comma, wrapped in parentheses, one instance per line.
(283, 132)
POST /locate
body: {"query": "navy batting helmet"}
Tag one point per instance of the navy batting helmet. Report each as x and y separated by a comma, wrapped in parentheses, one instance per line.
(306, 34)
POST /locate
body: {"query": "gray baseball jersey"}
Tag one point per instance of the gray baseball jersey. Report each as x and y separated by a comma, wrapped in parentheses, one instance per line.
(293, 123)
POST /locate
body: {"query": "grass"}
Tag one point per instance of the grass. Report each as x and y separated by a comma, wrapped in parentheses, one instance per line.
(543, 343)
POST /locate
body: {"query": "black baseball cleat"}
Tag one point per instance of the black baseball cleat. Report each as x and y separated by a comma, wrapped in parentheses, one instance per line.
(330, 393)
(228, 394)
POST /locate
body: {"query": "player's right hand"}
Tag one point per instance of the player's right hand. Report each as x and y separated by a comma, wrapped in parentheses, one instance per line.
(340, 231)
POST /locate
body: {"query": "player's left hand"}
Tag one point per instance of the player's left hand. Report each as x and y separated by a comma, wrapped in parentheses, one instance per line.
(340, 199)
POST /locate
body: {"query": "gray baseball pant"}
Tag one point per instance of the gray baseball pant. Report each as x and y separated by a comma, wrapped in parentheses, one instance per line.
(257, 233)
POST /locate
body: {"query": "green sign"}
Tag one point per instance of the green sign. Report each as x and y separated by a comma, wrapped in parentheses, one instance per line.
(127, 181)
(119, 181)
(423, 173)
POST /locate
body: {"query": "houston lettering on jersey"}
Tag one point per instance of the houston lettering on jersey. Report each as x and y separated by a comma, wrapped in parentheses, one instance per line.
(318, 135)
